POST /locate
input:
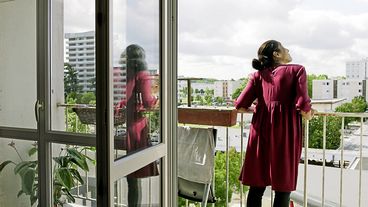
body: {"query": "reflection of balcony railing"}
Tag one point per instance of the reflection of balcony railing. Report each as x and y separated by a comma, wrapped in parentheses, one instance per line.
(306, 193)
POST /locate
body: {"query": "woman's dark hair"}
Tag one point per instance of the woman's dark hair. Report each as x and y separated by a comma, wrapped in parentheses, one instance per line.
(265, 55)
(135, 58)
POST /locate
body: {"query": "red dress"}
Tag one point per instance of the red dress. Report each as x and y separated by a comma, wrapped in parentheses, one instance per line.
(139, 98)
(275, 138)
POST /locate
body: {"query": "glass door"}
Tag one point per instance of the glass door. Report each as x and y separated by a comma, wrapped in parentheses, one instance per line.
(135, 99)
(18, 95)
(136, 145)
(47, 149)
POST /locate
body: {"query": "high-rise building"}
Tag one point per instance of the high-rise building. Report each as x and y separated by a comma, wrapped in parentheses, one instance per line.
(357, 69)
(80, 54)
(344, 88)
(225, 88)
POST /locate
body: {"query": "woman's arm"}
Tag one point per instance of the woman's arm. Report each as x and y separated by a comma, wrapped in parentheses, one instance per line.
(247, 96)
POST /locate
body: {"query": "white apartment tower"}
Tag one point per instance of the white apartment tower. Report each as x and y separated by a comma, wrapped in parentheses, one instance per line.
(225, 88)
(357, 69)
(80, 54)
(339, 89)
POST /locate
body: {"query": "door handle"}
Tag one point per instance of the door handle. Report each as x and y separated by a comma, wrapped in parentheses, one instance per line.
(37, 108)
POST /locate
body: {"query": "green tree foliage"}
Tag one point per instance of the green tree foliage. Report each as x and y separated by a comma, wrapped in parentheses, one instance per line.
(358, 105)
(71, 82)
(219, 100)
(184, 95)
(208, 96)
(198, 99)
(237, 91)
(73, 124)
(220, 175)
(88, 98)
(310, 79)
(333, 126)
(92, 85)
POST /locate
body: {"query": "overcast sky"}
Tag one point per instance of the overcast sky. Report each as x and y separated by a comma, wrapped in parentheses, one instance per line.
(219, 38)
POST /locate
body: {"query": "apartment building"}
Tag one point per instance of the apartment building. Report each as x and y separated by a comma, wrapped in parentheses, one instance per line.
(344, 88)
(357, 69)
(80, 54)
(225, 88)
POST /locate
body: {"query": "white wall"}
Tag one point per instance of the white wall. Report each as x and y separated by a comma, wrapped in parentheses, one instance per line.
(18, 63)
(17, 86)
(322, 89)
(18, 53)
(349, 89)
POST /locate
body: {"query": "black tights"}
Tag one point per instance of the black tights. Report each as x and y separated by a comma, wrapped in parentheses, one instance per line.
(134, 192)
(255, 194)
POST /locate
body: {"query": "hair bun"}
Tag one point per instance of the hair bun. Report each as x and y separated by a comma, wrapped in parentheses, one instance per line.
(257, 64)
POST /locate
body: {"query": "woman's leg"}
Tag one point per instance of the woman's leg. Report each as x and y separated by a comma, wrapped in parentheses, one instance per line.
(254, 198)
(134, 191)
(282, 199)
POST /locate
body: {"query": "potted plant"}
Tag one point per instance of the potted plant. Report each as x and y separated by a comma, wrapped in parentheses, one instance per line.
(66, 172)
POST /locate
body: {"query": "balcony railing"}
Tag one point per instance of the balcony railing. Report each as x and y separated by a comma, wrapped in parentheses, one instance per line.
(306, 194)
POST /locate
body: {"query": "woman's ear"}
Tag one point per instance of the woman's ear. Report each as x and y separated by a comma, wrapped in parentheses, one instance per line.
(276, 54)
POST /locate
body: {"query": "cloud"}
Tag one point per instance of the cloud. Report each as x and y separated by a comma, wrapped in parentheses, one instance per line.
(319, 37)
(220, 37)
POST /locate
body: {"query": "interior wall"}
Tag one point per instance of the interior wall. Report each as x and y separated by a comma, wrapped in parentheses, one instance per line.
(18, 63)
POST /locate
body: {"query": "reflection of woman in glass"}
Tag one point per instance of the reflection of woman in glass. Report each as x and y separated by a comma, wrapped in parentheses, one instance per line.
(138, 99)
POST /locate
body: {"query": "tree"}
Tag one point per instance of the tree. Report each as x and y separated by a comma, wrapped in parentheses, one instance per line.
(237, 91)
(208, 96)
(358, 105)
(333, 126)
(219, 100)
(310, 79)
(92, 85)
(183, 93)
(220, 176)
(88, 98)
(71, 82)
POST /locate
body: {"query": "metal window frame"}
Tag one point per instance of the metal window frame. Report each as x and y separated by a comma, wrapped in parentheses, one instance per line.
(107, 167)
(46, 137)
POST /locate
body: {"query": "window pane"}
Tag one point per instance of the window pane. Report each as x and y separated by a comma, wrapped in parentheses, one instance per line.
(18, 63)
(136, 74)
(19, 152)
(73, 66)
(139, 188)
(74, 167)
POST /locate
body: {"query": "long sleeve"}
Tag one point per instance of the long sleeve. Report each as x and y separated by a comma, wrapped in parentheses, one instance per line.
(248, 95)
(303, 102)
(145, 89)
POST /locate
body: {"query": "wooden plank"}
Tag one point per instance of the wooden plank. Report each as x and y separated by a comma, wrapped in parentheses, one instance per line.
(207, 116)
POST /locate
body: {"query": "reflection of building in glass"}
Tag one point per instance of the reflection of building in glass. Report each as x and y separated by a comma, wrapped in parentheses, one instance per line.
(119, 83)
(80, 50)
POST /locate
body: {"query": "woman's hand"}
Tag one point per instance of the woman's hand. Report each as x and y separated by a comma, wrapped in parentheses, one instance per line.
(308, 115)
(246, 110)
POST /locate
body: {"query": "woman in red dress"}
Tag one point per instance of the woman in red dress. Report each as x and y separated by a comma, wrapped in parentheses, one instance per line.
(139, 98)
(279, 92)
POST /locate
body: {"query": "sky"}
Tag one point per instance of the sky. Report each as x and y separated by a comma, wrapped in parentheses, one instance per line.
(219, 38)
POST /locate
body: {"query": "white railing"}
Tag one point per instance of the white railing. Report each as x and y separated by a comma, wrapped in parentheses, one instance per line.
(305, 198)
(342, 160)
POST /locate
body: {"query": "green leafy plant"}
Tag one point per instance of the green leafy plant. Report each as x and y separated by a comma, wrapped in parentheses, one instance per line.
(66, 173)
